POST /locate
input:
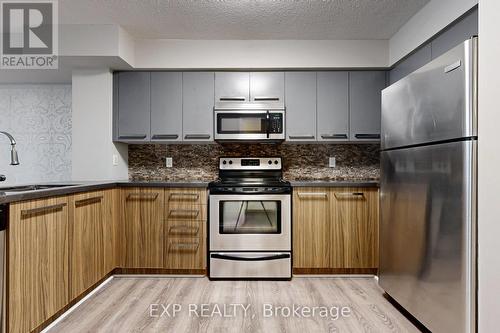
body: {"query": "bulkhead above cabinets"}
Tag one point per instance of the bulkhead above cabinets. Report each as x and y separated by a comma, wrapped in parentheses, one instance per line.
(178, 107)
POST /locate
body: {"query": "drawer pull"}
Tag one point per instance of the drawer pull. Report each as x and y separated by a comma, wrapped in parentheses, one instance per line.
(266, 98)
(88, 201)
(139, 196)
(367, 136)
(184, 246)
(42, 210)
(184, 212)
(133, 137)
(334, 136)
(301, 137)
(165, 136)
(343, 195)
(197, 136)
(313, 194)
(184, 229)
(229, 98)
(188, 196)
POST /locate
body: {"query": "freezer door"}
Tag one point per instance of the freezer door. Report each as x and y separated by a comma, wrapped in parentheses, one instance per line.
(427, 233)
(437, 102)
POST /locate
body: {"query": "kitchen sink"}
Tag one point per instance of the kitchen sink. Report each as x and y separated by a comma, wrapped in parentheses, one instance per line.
(25, 188)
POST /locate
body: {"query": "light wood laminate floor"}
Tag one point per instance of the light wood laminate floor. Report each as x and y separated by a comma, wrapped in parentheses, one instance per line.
(124, 305)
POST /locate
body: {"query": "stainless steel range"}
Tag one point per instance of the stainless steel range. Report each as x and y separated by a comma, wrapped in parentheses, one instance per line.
(250, 220)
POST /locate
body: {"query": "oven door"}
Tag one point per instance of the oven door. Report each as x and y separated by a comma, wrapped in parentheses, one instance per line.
(249, 125)
(259, 222)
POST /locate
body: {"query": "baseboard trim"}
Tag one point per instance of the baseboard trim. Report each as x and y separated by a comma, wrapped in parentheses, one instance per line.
(330, 271)
(157, 271)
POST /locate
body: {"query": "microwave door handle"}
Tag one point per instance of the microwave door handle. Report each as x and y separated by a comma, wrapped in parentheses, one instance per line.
(268, 123)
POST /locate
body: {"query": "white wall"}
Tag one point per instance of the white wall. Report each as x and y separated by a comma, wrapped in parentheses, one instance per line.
(431, 19)
(205, 54)
(93, 148)
(39, 118)
(489, 162)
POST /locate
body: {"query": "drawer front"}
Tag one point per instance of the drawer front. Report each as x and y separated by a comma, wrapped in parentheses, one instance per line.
(185, 196)
(186, 212)
(176, 228)
(185, 253)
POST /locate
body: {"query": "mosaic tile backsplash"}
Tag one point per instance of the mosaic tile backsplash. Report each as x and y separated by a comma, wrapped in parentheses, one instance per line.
(300, 162)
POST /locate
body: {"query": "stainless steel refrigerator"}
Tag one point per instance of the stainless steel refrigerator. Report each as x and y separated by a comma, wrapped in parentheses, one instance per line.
(428, 191)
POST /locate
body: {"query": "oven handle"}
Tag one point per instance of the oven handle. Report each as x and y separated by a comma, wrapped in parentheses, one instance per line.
(243, 258)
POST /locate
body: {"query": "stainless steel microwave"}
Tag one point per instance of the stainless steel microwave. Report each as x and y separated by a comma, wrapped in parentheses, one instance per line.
(249, 121)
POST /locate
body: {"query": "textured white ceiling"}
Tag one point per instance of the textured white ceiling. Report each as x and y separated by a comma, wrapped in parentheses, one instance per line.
(246, 19)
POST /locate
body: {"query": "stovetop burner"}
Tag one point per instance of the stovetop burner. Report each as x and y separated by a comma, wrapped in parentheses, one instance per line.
(250, 175)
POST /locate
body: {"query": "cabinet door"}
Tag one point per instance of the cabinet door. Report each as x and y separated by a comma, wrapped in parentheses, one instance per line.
(232, 86)
(86, 241)
(354, 242)
(300, 94)
(166, 106)
(134, 112)
(143, 219)
(38, 262)
(365, 99)
(267, 86)
(198, 104)
(333, 106)
(311, 228)
(416, 60)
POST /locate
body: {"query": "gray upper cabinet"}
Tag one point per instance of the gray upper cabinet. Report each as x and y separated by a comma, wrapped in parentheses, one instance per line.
(166, 106)
(333, 106)
(198, 103)
(133, 110)
(416, 60)
(365, 89)
(455, 34)
(232, 87)
(300, 97)
(267, 86)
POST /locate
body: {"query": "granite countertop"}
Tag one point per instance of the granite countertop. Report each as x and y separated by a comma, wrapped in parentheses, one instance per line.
(335, 183)
(85, 186)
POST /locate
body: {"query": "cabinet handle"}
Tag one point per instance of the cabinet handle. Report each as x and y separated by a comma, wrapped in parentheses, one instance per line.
(226, 98)
(184, 229)
(165, 136)
(138, 196)
(88, 201)
(343, 195)
(192, 196)
(184, 246)
(301, 137)
(367, 136)
(40, 210)
(184, 212)
(334, 136)
(313, 194)
(263, 98)
(133, 137)
(197, 136)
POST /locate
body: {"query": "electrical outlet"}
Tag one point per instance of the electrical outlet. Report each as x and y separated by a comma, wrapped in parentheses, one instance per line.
(168, 162)
(331, 162)
(115, 159)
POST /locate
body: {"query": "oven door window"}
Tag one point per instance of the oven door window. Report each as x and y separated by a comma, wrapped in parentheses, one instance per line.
(250, 217)
(247, 123)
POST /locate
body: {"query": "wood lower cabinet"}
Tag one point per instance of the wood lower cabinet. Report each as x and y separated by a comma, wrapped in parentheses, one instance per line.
(355, 227)
(335, 230)
(185, 233)
(92, 239)
(143, 221)
(38, 262)
(311, 227)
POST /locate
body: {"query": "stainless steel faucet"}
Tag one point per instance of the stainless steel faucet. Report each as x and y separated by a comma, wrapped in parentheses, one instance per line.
(14, 159)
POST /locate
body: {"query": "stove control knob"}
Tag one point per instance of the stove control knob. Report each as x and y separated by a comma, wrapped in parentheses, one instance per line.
(270, 162)
(275, 161)
(230, 162)
(224, 162)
